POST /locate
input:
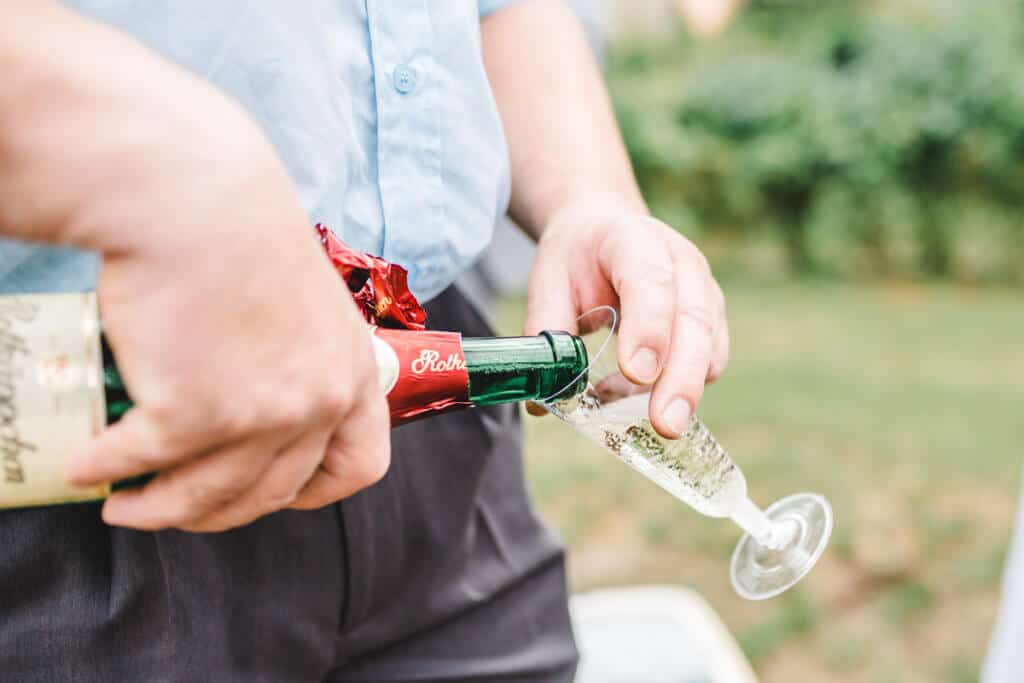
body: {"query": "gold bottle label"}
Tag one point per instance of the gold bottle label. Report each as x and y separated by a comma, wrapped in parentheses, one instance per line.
(51, 394)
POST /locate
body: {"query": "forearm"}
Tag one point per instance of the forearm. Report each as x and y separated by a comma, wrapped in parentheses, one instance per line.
(563, 140)
(85, 115)
(48, 111)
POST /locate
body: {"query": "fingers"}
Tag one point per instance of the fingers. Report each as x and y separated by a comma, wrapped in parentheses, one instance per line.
(616, 387)
(673, 332)
(212, 485)
(643, 277)
(235, 485)
(550, 303)
(356, 457)
(277, 487)
(695, 349)
(535, 409)
(133, 446)
(720, 353)
(191, 491)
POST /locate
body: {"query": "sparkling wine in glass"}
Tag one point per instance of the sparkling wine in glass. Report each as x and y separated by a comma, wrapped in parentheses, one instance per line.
(781, 543)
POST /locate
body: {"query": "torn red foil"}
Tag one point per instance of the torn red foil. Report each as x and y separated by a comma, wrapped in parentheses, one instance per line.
(428, 369)
(379, 288)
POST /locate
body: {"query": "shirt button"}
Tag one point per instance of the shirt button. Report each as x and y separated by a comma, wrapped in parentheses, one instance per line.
(404, 79)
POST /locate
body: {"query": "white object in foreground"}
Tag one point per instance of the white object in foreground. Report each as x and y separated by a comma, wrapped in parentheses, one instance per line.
(654, 634)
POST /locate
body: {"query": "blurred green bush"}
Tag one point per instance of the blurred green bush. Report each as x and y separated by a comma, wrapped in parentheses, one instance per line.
(868, 139)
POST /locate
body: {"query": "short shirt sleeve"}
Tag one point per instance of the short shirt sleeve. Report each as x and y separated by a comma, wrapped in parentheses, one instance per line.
(488, 6)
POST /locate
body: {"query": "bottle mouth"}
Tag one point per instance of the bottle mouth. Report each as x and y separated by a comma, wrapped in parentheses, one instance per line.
(570, 357)
(601, 325)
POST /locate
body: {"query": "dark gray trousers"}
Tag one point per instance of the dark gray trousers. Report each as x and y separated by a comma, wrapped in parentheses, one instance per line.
(441, 572)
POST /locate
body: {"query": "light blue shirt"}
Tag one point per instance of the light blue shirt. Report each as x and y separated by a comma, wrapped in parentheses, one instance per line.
(380, 110)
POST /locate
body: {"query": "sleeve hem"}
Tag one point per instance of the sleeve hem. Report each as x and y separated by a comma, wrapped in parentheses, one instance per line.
(490, 6)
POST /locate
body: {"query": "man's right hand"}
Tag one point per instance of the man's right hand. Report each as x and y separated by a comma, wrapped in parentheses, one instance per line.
(250, 367)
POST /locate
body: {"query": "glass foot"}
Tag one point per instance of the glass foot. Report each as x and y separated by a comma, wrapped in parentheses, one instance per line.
(801, 526)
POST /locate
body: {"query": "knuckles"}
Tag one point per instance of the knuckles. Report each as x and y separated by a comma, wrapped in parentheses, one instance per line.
(370, 469)
(186, 425)
(699, 316)
(336, 399)
(289, 413)
(688, 252)
(278, 496)
(660, 275)
(324, 401)
(202, 496)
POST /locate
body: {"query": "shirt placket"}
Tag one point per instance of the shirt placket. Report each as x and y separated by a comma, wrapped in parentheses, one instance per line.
(409, 131)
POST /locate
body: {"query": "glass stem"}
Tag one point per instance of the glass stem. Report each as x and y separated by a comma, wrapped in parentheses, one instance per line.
(753, 520)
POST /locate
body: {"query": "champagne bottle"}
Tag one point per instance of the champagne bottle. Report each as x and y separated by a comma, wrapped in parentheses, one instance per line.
(59, 384)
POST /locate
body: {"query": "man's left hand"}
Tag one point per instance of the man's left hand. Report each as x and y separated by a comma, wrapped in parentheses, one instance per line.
(673, 332)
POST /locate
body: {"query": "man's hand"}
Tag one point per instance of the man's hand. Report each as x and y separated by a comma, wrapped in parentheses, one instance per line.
(250, 367)
(573, 190)
(673, 332)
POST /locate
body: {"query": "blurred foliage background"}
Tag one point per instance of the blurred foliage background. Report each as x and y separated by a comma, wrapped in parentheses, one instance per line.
(855, 172)
(862, 139)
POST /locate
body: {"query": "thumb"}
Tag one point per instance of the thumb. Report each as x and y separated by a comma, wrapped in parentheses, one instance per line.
(549, 300)
(357, 456)
(549, 303)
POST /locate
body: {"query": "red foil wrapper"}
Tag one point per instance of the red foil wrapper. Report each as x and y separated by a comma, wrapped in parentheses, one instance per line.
(423, 373)
(380, 289)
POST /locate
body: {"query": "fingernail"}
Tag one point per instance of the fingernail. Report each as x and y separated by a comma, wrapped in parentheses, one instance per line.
(677, 415)
(122, 506)
(644, 364)
(535, 409)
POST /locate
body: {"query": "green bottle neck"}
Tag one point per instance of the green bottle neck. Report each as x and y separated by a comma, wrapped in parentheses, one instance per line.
(513, 369)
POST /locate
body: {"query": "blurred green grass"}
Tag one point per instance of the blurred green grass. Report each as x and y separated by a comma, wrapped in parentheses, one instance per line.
(901, 404)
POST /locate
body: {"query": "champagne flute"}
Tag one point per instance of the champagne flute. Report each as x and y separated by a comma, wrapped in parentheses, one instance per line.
(781, 543)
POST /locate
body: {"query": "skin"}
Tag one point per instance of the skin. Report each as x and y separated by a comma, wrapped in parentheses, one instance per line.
(708, 18)
(240, 418)
(574, 191)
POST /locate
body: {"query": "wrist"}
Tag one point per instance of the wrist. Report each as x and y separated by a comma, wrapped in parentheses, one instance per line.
(590, 208)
